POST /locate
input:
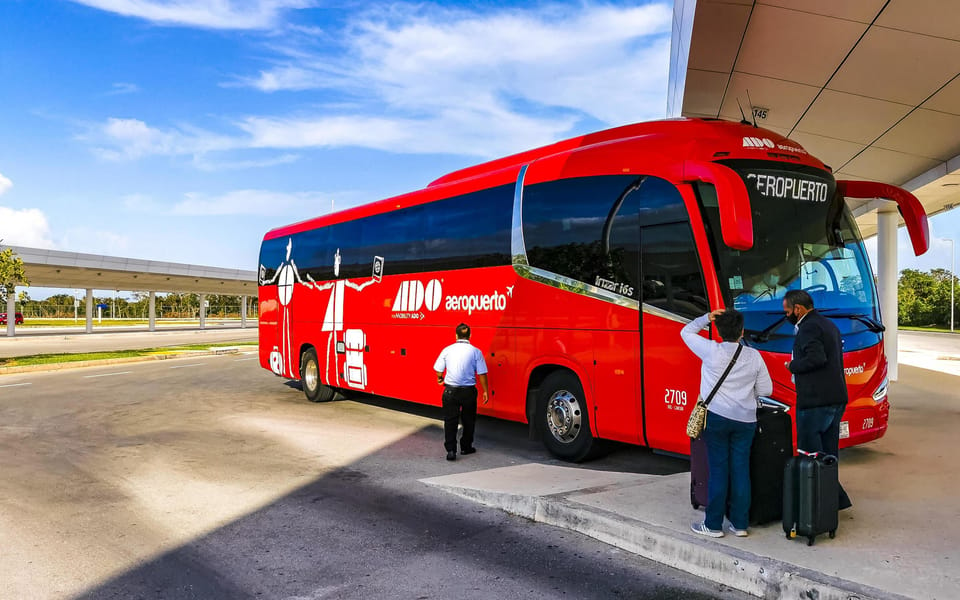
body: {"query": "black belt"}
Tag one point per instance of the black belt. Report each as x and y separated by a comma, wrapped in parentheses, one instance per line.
(459, 387)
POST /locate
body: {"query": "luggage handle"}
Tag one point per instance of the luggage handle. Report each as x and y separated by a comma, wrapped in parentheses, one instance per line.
(821, 457)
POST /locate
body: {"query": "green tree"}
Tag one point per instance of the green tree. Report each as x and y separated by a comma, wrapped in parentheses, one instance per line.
(924, 298)
(11, 272)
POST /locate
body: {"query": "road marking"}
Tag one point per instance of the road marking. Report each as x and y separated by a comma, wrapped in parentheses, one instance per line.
(14, 385)
(107, 374)
(185, 366)
(243, 359)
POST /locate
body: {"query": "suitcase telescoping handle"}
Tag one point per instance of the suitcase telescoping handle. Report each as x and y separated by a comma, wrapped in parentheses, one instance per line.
(821, 457)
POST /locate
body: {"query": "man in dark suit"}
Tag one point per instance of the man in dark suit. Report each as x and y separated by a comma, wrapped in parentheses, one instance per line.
(817, 367)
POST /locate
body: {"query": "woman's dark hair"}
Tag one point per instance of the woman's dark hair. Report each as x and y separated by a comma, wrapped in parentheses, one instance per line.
(729, 324)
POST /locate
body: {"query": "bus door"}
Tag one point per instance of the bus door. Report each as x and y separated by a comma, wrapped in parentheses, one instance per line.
(672, 293)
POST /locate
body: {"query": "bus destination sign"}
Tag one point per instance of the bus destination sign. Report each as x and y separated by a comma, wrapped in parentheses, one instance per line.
(789, 187)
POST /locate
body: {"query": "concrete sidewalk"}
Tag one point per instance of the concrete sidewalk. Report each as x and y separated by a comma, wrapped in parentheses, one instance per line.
(899, 540)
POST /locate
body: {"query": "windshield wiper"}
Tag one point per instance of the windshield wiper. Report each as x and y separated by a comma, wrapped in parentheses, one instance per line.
(764, 335)
(871, 323)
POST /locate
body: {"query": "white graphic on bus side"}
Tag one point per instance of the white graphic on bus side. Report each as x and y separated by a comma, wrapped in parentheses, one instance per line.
(280, 357)
(354, 340)
(413, 298)
(767, 143)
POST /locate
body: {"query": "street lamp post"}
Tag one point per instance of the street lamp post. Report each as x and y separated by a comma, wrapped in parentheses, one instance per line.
(953, 264)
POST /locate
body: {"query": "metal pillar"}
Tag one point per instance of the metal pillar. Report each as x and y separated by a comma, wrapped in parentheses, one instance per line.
(11, 311)
(153, 311)
(953, 277)
(89, 310)
(243, 312)
(887, 222)
(203, 311)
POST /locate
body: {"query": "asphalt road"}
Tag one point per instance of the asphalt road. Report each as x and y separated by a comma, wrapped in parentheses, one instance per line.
(211, 478)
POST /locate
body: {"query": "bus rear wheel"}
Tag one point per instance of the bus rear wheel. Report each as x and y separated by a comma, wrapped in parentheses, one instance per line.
(563, 417)
(310, 379)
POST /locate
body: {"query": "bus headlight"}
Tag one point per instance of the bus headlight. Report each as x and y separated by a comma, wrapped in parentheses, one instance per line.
(881, 393)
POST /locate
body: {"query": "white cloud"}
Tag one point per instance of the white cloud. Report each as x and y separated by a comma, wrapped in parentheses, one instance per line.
(212, 14)
(96, 241)
(5, 184)
(250, 202)
(120, 139)
(424, 79)
(25, 227)
(244, 202)
(119, 89)
(203, 163)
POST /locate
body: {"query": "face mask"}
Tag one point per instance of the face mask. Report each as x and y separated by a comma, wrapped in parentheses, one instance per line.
(773, 280)
(793, 318)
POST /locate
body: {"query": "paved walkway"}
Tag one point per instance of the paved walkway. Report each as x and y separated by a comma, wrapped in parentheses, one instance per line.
(899, 540)
(77, 342)
(934, 351)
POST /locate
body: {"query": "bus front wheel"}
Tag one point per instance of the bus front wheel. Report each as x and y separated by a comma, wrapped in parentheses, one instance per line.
(310, 379)
(564, 418)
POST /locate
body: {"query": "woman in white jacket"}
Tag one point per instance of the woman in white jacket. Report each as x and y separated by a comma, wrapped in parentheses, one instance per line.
(731, 418)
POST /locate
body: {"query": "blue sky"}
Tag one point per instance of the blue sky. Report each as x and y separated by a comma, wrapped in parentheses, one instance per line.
(183, 130)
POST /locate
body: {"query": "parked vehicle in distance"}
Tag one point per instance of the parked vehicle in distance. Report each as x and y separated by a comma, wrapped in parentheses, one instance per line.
(17, 319)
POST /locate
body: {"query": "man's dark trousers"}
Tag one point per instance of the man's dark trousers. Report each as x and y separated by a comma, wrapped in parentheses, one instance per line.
(459, 403)
(818, 430)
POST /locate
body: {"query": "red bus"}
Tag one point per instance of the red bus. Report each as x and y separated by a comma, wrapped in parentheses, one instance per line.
(576, 265)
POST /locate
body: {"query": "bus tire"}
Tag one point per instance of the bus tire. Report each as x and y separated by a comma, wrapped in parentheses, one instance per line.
(563, 417)
(310, 379)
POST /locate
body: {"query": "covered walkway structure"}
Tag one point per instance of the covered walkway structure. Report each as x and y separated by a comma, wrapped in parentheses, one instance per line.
(57, 269)
(871, 87)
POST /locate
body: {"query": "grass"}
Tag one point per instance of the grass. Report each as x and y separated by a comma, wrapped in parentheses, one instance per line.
(48, 359)
(933, 329)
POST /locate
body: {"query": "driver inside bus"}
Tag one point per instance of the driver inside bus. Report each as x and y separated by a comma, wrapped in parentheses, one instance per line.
(768, 288)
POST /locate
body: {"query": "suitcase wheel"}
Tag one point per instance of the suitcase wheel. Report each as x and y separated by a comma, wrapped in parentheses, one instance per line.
(833, 534)
(789, 537)
(695, 505)
(810, 540)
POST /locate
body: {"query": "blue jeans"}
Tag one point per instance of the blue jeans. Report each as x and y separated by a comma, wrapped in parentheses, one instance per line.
(728, 454)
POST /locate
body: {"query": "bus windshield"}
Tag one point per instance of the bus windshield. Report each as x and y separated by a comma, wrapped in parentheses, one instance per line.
(804, 238)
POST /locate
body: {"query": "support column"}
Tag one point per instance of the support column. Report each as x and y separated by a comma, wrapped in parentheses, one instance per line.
(887, 222)
(243, 312)
(11, 311)
(203, 311)
(89, 310)
(153, 312)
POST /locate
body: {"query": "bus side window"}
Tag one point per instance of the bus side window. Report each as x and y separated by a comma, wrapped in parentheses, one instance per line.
(563, 224)
(672, 278)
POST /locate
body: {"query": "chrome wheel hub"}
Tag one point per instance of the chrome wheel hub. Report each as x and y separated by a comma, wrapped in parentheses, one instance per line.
(563, 416)
(311, 375)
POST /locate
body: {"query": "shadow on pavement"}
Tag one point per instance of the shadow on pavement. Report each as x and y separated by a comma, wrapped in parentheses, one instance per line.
(352, 535)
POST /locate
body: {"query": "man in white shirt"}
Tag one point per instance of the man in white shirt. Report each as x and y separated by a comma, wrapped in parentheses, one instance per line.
(768, 288)
(731, 418)
(464, 366)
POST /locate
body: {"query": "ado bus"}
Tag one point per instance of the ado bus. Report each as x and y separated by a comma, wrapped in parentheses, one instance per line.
(576, 265)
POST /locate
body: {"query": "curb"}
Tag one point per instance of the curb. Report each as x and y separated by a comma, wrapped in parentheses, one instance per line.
(758, 576)
(115, 361)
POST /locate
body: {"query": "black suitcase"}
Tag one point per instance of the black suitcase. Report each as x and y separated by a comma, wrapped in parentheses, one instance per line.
(811, 493)
(772, 447)
(699, 472)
